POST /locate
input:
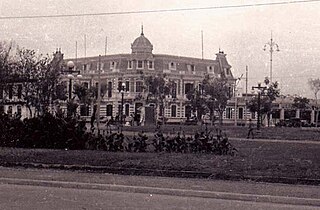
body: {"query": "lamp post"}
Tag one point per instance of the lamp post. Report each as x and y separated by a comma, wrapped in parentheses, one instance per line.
(123, 85)
(260, 90)
(272, 47)
(70, 71)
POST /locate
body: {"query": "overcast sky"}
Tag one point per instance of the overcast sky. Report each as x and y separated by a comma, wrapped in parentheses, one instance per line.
(241, 32)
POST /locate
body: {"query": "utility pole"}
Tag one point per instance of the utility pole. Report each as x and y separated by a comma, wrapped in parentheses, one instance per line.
(245, 97)
(271, 45)
(260, 91)
(202, 45)
(99, 95)
(235, 99)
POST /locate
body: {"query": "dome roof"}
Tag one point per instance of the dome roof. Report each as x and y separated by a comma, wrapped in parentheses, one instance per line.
(141, 45)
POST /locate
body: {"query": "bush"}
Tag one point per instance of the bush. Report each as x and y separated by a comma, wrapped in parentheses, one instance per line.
(46, 131)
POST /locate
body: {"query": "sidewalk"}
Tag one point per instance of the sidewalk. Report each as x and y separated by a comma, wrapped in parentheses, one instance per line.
(244, 191)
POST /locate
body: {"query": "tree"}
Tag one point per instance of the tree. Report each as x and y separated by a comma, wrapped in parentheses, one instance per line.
(314, 85)
(216, 95)
(197, 102)
(300, 103)
(158, 88)
(38, 77)
(88, 96)
(268, 95)
(5, 68)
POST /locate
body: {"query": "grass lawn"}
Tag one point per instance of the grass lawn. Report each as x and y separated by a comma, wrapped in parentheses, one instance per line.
(282, 133)
(265, 159)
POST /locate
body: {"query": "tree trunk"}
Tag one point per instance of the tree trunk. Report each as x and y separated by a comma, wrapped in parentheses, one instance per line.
(220, 117)
(30, 111)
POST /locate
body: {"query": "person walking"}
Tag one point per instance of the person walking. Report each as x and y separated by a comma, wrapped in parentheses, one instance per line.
(250, 129)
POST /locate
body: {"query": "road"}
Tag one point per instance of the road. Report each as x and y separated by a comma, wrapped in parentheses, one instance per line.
(55, 189)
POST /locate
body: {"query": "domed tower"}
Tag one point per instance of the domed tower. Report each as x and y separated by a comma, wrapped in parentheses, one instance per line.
(141, 44)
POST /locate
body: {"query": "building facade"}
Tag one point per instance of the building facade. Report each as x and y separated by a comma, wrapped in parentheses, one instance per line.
(130, 70)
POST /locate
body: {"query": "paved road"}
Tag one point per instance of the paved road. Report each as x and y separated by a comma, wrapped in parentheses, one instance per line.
(53, 189)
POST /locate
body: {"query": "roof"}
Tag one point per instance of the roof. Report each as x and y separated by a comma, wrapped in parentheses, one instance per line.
(141, 45)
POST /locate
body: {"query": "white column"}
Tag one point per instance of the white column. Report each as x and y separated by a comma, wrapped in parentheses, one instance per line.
(282, 114)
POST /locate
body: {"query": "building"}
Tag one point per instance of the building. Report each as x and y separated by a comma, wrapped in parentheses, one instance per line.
(129, 70)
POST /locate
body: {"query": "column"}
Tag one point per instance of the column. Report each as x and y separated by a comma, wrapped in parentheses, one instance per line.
(282, 114)
(312, 116)
(297, 113)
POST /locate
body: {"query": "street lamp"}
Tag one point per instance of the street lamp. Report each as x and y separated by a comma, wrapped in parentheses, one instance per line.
(272, 47)
(260, 91)
(70, 70)
(123, 85)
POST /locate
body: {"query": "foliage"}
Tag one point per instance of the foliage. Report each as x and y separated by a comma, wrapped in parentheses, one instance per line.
(314, 85)
(300, 102)
(45, 131)
(158, 88)
(197, 102)
(216, 95)
(37, 74)
(268, 94)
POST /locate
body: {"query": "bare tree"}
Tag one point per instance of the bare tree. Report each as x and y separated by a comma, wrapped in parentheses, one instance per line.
(314, 85)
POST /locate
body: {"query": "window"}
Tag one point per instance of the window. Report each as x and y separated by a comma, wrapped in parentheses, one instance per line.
(253, 115)
(109, 89)
(200, 88)
(150, 65)
(139, 86)
(188, 87)
(174, 90)
(19, 91)
(85, 67)
(130, 64)
(191, 68)
(84, 110)
(240, 113)
(86, 85)
(210, 69)
(172, 66)
(19, 111)
(113, 65)
(139, 64)
(9, 111)
(227, 71)
(119, 86)
(228, 113)
(109, 110)
(188, 111)
(127, 88)
(127, 109)
(1, 93)
(10, 91)
(173, 111)
(101, 66)
(229, 94)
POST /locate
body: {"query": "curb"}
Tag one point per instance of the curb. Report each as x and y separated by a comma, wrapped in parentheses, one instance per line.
(297, 201)
(167, 173)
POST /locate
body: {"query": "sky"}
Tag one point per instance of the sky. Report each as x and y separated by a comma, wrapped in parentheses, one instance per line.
(241, 32)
